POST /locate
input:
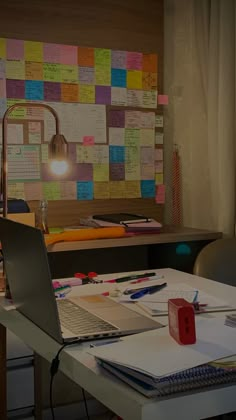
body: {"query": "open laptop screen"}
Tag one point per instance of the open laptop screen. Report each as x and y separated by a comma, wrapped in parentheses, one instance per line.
(28, 274)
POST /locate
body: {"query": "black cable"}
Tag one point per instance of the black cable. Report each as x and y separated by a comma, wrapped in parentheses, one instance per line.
(85, 404)
(54, 369)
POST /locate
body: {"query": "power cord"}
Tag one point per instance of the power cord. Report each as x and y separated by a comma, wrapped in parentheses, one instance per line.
(53, 370)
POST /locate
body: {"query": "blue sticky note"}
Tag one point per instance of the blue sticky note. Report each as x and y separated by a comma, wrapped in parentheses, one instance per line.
(117, 154)
(85, 190)
(148, 188)
(34, 90)
(118, 77)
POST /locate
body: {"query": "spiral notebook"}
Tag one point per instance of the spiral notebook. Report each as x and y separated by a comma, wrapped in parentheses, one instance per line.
(190, 379)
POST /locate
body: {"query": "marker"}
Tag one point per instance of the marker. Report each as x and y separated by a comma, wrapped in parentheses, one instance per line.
(131, 277)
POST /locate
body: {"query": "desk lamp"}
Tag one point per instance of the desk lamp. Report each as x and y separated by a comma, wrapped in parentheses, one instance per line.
(58, 152)
(58, 147)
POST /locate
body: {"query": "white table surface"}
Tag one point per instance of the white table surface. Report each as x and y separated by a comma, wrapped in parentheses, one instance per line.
(81, 367)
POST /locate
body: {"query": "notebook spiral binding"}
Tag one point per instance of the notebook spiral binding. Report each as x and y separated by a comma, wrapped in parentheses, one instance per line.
(185, 381)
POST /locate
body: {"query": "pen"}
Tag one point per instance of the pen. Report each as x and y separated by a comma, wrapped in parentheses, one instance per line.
(158, 276)
(147, 290)
(129, 278)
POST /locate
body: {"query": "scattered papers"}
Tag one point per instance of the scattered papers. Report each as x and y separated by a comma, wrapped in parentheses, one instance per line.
(157, 354)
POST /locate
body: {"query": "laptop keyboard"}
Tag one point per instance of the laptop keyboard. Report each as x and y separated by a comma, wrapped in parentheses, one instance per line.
(80, 321)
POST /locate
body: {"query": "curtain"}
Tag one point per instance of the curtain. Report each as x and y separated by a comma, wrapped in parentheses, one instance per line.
(199, 74)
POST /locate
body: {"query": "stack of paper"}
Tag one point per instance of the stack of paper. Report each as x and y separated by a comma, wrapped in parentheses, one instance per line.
(154, 356)
(231, 320)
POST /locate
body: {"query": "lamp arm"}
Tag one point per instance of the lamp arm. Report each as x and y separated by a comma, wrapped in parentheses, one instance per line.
(4, 142)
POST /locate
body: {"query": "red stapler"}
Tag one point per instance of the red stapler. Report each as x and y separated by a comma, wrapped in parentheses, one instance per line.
(181, 321)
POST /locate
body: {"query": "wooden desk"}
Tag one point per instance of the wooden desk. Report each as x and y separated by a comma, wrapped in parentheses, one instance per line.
(77, 364)
(175, 247)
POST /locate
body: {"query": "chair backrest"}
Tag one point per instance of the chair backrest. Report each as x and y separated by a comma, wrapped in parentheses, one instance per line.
(217, 261)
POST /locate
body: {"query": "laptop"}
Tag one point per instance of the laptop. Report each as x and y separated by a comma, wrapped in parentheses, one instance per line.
(66, 319)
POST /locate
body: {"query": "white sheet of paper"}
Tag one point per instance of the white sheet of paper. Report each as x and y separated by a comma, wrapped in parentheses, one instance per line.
(158, 354)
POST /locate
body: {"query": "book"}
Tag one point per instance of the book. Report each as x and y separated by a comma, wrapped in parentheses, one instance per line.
(135, 227)
(191, 379)
(122, 218)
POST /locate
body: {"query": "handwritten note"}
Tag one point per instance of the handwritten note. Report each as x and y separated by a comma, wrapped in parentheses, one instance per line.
(87, 94)
(148, 188)
(68, 55)
(118, 59)
(116, 136)
(117, 189)
(16, 190)
(51, 72)
(132, 119)
(85, 171)
(118, 77)
(15, 88)
(132, 189)
(34, 128)
(132, 137)
(159, 138)
(117, 154)
(51, 191)
(159, 120)
(69, 74)
(159, 179)
(118, 96)
(33, 71)
(134, 98)
(86, 75)
(134, 60)
(34, 90)
(15, 133)
(116, 118)
(15, 49)
(147, 137)
(67, 190)
(85, 190)
(88, 140)
(15, 69)
(103, 95)
(51, 53)
(101, 190)
(117, 171)
(69, 92)
(147, 171)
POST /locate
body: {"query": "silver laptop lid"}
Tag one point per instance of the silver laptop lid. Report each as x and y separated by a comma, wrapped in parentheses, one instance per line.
(28, 274)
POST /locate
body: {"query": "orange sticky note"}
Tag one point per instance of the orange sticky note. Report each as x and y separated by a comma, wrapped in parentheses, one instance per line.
(69, 92)
(86, 56)
(150, 63)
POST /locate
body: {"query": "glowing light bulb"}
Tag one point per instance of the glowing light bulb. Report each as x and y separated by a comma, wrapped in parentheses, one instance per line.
(59, 167)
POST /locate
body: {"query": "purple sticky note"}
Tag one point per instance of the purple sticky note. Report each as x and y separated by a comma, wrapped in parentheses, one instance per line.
(163, 99)
(51, 53)
(52, 91)
(72, 152)
(15, 49)
(85, 172)
(15, 89)
(118, 59)
(103, 95)
(117, 171)
(116, 118)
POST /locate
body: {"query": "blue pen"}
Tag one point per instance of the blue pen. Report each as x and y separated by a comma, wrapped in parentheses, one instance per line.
(147, 290)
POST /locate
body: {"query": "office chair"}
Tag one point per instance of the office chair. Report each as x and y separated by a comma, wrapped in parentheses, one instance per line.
(217, 261)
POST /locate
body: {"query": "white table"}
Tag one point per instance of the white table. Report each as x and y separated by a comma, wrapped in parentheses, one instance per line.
(77, 364)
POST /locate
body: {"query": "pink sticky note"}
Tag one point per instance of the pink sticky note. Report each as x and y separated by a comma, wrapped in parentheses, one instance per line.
(160, 193)
(15, 49)
(88, 140)
(69, 54)
(163, 99)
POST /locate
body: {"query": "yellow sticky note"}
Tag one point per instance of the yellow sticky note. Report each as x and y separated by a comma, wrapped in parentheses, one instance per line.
(101, 172)
(102, 76)
(132, 189)
(52, 72)
(15, 69)
(132, 171)
(159, 179)
(117, 189)
(102, 57)
(101, 190)
(2, 48)
(134, 79)
(33, 51)
(87, 94)
(33, 71)
(51, 191)
(69, 74)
